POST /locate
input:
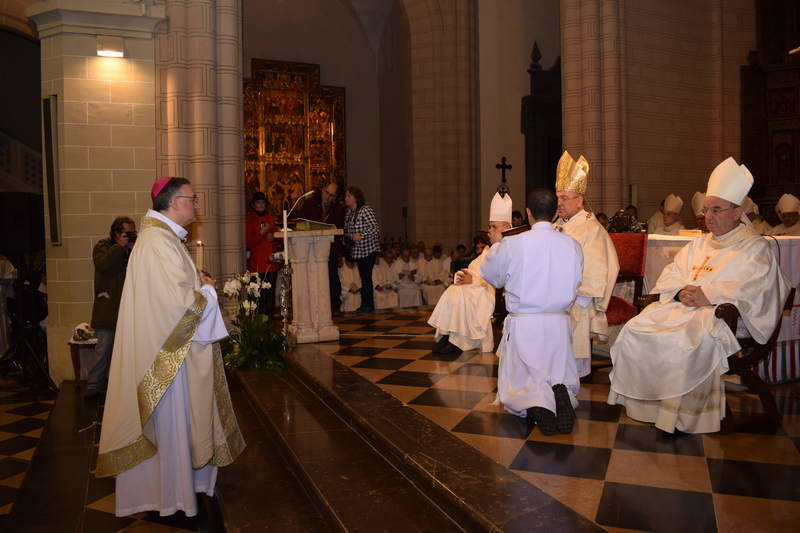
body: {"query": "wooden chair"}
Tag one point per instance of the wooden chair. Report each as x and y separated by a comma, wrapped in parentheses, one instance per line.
(744, 362)
(632, 255)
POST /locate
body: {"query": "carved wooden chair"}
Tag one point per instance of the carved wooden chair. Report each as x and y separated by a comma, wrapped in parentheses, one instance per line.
(744, 362)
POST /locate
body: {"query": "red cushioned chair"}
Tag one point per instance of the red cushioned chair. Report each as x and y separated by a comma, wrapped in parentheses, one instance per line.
(632, 254)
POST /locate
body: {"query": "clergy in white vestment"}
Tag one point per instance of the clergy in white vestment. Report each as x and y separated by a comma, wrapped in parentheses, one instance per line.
(433, 278)
(444, 260)
(540, 270)
(350, 281)
(463, 316)
(788, 210)
(385, 281)
(168, 422)
(669, 360)
(408, 280)
(697, 209)
(670, 221)
(600, 264)
(656, 220)
(760, 225)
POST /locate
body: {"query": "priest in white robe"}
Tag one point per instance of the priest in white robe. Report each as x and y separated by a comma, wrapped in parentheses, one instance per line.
(788, 210)
(600, 264)
(669, 360)
(540, 270)
(670, 221)
(697, 209)
(444, 260)
(168, 422)
(463, 316)
(350, 281)
(408, 280)
(433, 278)
(384, 282)
(760, 225)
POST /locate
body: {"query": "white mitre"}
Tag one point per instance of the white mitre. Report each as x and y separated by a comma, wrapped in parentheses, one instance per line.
(730, 181)
(749, 206)
(788, 203)
(673, 204)
(697, 203)
(501, 208)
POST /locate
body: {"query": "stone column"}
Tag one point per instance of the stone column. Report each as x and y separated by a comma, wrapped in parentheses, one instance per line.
(592, 96)
(106, 143)
(199, 120)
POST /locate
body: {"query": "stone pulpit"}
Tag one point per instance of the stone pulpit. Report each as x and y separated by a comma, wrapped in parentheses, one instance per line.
(311, 303)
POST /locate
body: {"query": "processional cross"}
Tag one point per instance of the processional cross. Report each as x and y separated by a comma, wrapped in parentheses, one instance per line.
(502, 166)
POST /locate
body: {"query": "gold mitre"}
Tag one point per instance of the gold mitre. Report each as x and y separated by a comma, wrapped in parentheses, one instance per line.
(572, 175)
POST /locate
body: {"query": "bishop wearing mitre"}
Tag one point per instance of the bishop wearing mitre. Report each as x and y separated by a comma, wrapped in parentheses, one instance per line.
(463, 316)
(600, 264)
(669, 359)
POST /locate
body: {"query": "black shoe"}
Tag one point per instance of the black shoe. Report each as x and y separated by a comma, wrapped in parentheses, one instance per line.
(545, 419)
(565, 414)
(450, 348)
(441, 344)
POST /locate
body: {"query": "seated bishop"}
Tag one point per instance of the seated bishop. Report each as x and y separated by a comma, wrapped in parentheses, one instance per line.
(350, 281)
(670, 221)
(697, 209)
(788, 210)
(406, 271)
(760, 225)
(600, 263)
(384, 282)
(433, 276)
(669, 360)
(463, 316)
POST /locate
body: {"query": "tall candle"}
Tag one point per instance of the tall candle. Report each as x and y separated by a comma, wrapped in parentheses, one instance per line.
(198, 256)
(285, 238)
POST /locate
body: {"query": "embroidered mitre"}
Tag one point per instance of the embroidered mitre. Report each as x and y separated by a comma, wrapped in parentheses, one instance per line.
(572, 175)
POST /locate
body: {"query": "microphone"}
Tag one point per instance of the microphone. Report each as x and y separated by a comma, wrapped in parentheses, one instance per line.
(302, 197)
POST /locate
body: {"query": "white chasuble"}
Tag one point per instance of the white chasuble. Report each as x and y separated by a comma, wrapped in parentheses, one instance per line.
(541, 270)
(350, 280)
(600, 269)
(168, 421)
(781, 229)
(384, 282)
(668, 358)
(464, 312)
(433, 280)
(408, 291)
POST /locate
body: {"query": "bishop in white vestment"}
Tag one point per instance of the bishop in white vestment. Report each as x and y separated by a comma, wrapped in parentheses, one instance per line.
(384, 282)
(669, 360)
(350, 281)
(463, 316)
(697, 209)
(600, 263)
(788, 210)
(670, 221)
(433, 277)
(540, 270)
(408, 280)
(168, 422)
(760, 225)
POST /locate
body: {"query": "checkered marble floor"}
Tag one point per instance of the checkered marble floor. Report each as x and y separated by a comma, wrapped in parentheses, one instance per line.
(23, 415)
(620, 473)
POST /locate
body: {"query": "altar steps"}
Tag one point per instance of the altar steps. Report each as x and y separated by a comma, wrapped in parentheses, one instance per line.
(349, 486)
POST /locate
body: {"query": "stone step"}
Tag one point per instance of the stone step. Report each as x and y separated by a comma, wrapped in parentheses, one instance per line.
(355, 488)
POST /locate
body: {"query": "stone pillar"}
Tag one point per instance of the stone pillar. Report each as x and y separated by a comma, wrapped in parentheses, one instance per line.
(592, 96)
(106, 143)
(199, 120)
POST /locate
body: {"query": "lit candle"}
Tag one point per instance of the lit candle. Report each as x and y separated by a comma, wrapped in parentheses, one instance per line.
(198, 255)
(285, 238)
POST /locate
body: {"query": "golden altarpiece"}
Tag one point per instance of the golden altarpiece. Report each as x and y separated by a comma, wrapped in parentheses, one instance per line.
(294, 137)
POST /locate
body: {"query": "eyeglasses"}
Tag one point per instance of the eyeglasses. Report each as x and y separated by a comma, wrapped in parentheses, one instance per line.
(195, 199)
(715, 210)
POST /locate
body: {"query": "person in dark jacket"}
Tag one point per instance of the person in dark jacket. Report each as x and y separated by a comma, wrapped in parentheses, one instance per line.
(110, 264)
(323, 206)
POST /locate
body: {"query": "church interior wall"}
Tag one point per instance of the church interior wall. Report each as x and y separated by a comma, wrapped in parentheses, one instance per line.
(327, 33)
(506, 33)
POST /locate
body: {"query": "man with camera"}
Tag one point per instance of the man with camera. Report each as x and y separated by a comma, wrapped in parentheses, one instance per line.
(110, 263)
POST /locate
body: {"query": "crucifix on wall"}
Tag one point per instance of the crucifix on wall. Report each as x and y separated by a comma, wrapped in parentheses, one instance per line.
(502, 166)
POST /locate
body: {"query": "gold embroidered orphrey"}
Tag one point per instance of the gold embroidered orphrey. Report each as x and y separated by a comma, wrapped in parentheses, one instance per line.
(157, 380)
